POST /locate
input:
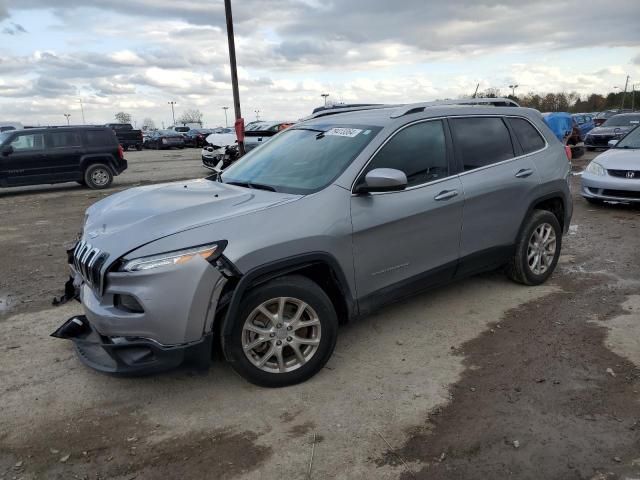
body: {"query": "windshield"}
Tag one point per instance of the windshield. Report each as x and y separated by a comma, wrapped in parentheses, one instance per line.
(622, 121)
(301, 160)
(630, 140)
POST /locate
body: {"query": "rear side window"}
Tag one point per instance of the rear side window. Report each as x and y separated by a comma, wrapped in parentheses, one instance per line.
(481, 141)
(100, 137)
(529, 138)
(65, 139)
(418, 150)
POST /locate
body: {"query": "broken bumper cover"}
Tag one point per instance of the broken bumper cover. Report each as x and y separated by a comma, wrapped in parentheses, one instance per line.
(127, 356)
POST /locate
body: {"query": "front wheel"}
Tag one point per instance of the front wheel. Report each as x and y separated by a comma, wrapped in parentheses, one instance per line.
(591, 149)
(285, 332)
(537, 250)
(98, 176)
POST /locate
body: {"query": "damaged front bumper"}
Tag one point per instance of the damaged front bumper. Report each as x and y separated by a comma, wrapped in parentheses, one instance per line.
(127, 356)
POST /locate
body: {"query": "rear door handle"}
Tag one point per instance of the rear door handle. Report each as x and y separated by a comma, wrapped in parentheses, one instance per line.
(446, 195)
(524, 173)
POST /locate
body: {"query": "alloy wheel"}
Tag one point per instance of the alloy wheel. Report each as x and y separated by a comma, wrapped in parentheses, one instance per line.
(281, 335)
(541, 249)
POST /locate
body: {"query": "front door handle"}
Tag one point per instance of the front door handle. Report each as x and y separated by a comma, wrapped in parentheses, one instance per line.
(524, 173)
(446, 195)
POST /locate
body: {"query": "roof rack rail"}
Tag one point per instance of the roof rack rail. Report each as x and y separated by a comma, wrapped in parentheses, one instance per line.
(420, 107)
(344, 108)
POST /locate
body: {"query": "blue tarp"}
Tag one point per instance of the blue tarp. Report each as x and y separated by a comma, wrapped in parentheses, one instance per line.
(560, 123)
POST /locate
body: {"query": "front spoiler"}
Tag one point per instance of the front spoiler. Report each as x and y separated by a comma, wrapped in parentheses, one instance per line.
(126, 356)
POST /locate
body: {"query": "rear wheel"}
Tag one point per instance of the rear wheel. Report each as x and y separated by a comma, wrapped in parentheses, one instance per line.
(285, 332)
(98, 176)
(537, 250)
(591, 149)
(139, 147)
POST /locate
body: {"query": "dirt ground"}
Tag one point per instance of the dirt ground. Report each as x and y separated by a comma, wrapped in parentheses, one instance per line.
(482, 379)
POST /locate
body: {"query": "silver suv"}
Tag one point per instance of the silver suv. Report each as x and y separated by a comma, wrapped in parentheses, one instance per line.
(335, 216)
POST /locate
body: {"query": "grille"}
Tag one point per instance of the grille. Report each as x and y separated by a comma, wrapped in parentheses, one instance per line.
(88, 262)
(622, 194)
(623, 173)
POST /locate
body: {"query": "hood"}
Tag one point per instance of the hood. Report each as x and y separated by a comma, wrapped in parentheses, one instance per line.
(137, 216)
(610, 130)
(221, 139)
(620, 159)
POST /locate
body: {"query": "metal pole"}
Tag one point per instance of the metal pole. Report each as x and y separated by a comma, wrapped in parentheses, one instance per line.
(257, 115)
(67, 115)
(226, 121)
(82, 110)
(324, 95)
(173, 113)
(624, 94)
(475, 94)
(633, 97)
(234, 68)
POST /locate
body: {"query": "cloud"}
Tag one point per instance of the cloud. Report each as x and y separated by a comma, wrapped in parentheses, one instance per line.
(13, 28)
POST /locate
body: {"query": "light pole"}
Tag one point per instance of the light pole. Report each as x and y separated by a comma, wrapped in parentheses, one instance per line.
(226, 121)
(173, 113)
(633, 97)
(234, 68)
(67, 115)
(624, 94)
(257, 115)
(513, 89)
(82, 110)
(324, 95)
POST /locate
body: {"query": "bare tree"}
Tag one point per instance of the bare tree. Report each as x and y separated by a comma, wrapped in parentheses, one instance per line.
(123, 117)
(148, 124)
(192, 115)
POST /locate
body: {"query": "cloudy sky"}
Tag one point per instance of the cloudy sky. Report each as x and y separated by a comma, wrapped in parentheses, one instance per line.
(136, 55)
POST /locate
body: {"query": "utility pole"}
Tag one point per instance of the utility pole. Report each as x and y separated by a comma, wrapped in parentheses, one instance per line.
(67, 115)
(513, 89)
(624, 94)
(226, 121)
(324, 95)
(475, 94)
(234, 67)
(173, 113)
(633, 97)
(82, 110)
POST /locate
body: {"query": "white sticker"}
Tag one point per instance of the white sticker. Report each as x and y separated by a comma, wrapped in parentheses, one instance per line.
(343, 132)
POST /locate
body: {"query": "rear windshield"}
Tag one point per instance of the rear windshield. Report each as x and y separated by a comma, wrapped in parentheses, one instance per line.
(622, 121)
(182, 129)
(301, 160)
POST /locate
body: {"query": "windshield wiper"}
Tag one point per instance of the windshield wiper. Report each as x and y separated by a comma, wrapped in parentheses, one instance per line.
(257, 186)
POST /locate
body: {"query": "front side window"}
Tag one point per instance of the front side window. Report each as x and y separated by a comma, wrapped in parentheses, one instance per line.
(529, 138)
(301, 160)
(26, 142)
(419, 151)
(65, 139)
(481, 141)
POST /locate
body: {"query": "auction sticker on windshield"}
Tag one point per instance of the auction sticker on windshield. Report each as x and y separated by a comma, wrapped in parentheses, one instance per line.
(343, 132)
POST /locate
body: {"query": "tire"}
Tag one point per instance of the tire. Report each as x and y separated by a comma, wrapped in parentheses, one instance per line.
(594, 201)
(591, 149)
(577, 152)
(125, 148)
(295, 292)
(98, 176)
(519, 268)
(138, 147)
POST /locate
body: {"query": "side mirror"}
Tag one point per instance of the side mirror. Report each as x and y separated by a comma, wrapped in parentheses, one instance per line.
(7, 150)
(613, 143)
(383, 180)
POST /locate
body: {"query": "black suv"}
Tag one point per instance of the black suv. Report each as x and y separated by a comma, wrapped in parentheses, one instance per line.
(90, 156)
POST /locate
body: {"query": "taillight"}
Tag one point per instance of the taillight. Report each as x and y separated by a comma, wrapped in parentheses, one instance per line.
(567, 150)
(120, 152)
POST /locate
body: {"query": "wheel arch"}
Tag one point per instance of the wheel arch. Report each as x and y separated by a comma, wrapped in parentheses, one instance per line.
(552, 202)
(320, 267)
(89, 160)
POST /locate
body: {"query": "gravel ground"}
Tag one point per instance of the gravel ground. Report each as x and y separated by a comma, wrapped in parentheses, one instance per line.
(479, 379)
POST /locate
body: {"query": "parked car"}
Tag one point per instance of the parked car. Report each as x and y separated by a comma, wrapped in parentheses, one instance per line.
(6, 126)
(180, 129)
(603, 116)
(257, 133)
(220, 149)
(612, 129)
(585, 123)
(127, 135)
(163, 139)
(196, 137)
(90, 156)
(331, 219)
(615, 174)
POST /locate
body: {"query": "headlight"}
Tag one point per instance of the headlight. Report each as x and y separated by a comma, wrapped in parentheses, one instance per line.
(596, 169)
(177, 257)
